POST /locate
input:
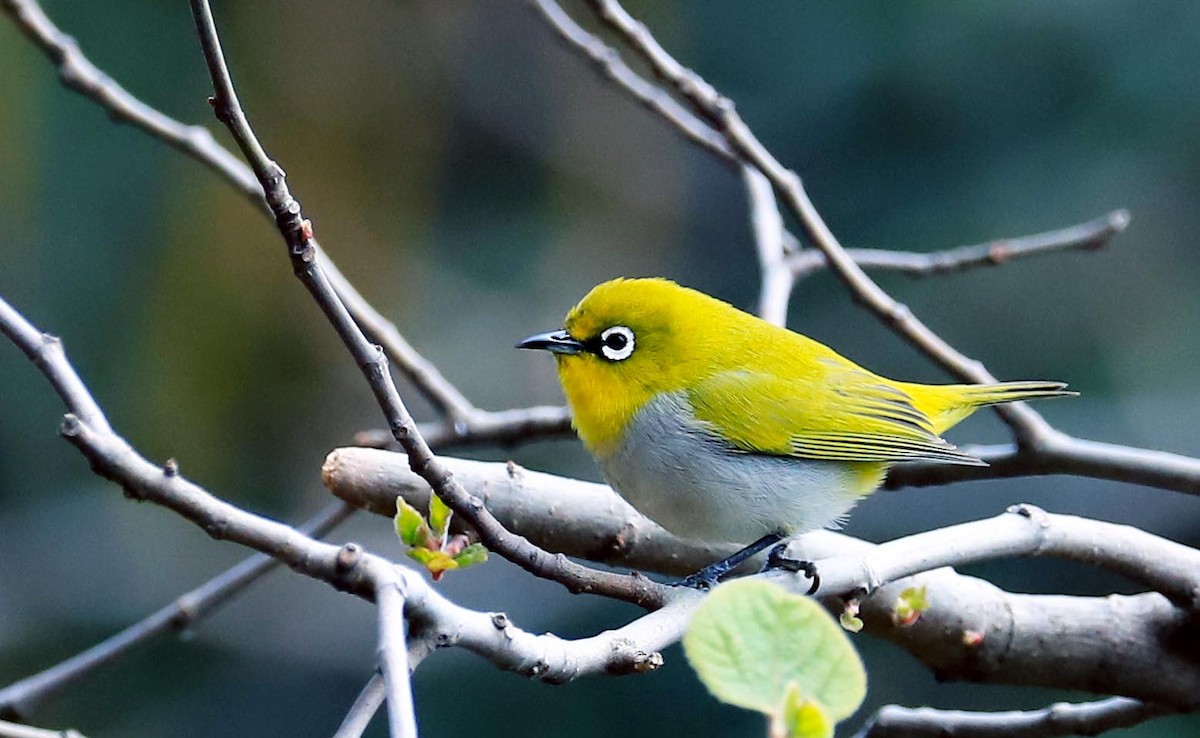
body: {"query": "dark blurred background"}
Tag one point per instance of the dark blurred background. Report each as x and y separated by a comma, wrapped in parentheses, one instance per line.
(474, 179)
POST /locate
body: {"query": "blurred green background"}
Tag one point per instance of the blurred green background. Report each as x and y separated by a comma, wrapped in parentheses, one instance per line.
(474, 179)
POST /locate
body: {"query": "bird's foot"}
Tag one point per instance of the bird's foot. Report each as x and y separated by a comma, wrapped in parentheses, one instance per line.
(703, 580)
(777, 559)
(709, 576)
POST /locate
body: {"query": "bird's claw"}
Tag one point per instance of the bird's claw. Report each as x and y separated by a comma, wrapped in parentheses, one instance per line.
(777, 560)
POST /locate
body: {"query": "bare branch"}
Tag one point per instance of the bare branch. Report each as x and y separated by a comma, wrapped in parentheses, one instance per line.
(504, 427)
(184, 613)
(1114, 645)
(114, 459)
(446, 399)
(363, 709)
(610, 66)
(1089, 633)
(1061, 719)
(46, 353)
(777, 279)
(603, 527)
(297, 233)
(16, 730)
(484, 427)
(393, 657)
(78, 73)
(1059, 453)
(577, 518)
(1089, 236)
(1163, 566)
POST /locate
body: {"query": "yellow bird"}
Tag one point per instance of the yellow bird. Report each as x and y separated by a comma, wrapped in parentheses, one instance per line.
(720, 426)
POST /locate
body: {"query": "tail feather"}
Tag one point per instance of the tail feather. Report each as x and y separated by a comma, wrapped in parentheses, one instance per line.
(949, 404)
(979, 395)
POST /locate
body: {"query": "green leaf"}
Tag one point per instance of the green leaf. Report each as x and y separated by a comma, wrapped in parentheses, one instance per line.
(909, 606)
(435, 561)
(410, 526)
(471, 555)
(850, 621)
(750, 640)
(439, 516)
(800, 717)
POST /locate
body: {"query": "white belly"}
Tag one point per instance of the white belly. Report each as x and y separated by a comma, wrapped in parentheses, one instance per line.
(694, 485)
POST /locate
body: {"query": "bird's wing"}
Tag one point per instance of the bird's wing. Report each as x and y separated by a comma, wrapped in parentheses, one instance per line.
(844, 414)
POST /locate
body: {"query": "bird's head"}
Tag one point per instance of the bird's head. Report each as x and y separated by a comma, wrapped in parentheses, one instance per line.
(630, 340)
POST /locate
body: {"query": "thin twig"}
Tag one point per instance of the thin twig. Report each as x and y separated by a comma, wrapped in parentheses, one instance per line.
(1061, 719)
(297, 233)
(393, 658)
(183, 614)
(364, 708)
(1059, 453)
(78, 73)
(484, 428)
(767, 223)
(609, 64)
(1089, 236)
(47, 354)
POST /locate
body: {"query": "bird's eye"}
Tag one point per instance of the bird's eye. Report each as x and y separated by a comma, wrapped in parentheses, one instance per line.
(616, 343)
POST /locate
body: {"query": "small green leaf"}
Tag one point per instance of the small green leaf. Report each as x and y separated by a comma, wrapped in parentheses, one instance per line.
(439, 517)
(410, 526)
(435, 561)
(750, 640)
(849, 619)
(800, 717)
(910, 604)
(471, 555)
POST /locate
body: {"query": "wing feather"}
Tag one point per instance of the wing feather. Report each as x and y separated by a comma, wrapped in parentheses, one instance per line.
(844, 413)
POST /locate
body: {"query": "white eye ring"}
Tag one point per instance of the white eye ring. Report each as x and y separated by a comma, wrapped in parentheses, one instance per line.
(616, 343)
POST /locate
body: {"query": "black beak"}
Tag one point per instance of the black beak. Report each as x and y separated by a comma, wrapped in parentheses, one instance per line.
(556, 342)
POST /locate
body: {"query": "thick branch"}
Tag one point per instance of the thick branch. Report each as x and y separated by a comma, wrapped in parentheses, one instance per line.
(590, 521)
(576, 518)
(1143, 633)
